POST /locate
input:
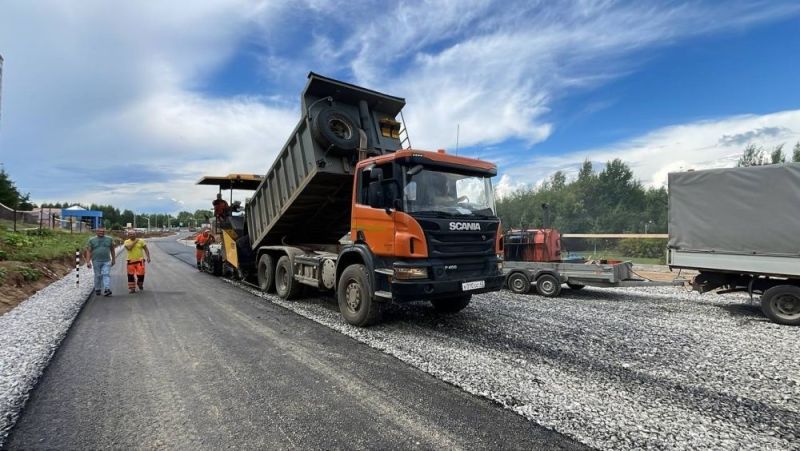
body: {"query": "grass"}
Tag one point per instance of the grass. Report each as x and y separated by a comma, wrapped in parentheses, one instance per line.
(29, 246)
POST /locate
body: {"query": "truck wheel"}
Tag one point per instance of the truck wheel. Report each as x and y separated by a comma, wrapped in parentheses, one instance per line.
(355, 301)
(266, 273)
(519, 283)
(216, 266)
(451, 305)
(547, 285)
(781, 304)
(285, 285)
(334, 127)
(575, 286)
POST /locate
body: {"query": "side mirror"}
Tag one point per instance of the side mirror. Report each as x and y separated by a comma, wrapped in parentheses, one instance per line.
(415, 170)
(375, 194)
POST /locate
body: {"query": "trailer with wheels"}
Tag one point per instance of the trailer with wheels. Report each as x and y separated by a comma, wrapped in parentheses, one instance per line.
(739, 228)
(533, 259)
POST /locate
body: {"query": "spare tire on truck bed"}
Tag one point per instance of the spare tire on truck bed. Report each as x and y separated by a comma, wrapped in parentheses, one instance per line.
(334, 127)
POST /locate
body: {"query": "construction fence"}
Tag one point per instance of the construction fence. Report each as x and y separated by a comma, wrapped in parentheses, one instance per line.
(40, 218)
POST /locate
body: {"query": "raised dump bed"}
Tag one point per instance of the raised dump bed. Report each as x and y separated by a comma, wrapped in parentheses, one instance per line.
(306, 195)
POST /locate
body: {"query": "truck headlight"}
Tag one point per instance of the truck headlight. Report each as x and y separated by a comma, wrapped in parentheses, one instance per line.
(409, 272)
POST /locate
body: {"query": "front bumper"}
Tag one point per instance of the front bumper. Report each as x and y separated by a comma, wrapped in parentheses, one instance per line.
(415, 290)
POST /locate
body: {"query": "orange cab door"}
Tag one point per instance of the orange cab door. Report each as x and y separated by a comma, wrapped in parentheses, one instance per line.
(375, 227)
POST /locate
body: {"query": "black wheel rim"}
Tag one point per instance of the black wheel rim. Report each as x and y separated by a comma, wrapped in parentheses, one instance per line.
(339, 128)
(352, 296)
(517, 284)
(282, 279)
(786, 306)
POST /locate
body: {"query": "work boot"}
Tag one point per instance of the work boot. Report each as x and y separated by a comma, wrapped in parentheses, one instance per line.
(141, 287)
(107, 292)
(132, 290)
(98, 292)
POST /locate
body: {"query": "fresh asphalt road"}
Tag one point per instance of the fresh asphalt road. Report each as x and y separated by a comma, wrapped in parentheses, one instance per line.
(195, 363)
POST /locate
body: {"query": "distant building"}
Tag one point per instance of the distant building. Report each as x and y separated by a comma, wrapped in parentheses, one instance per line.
(92, 217)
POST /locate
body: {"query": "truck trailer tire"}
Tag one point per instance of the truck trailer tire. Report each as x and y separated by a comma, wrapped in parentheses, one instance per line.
(285, 285)
(266, 273)
(216, 266)
(333, 127)
(452, 305)
(548, 285)
(781, 304)
(519, 283)
(355, 299)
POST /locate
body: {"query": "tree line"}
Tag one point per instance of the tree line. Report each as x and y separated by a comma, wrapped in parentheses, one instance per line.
(609, 201)
(115, 219)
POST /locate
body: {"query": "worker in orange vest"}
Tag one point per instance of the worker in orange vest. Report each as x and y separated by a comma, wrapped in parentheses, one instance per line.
(200, 244)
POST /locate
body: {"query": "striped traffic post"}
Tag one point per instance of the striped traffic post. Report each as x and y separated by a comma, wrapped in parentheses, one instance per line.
(77, 267)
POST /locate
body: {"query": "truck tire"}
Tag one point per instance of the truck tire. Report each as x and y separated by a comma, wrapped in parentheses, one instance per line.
(548, 286)
(575, 286)
(285, 285)
(216, 266)
(519, 283)
(266, 274)
(334, 127)
(452, 305)
(355, 300)
(781, 304)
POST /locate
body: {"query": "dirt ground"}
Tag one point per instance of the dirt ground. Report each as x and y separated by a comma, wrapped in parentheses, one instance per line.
(16, 289)
(664, 276)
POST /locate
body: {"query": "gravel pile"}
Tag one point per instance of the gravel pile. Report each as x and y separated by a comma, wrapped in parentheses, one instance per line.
(29, 335)
(637, 368)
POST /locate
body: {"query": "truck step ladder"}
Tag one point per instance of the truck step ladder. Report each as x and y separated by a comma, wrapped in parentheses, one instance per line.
(405, 141)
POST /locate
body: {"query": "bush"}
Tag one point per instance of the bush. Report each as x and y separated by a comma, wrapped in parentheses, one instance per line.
(642, 248)
(30, 274)
(17, 240)
(39, 232)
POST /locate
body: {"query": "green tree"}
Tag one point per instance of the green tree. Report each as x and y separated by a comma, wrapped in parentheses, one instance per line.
(10, 195)
(777, 156)
(796, 153)
(752, 156)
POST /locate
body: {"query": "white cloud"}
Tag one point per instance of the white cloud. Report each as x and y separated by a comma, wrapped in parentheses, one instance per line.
(92, 87)
(495, 69)
(696, 145)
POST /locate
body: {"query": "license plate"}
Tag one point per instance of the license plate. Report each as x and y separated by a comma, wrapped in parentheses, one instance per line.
(466, 286)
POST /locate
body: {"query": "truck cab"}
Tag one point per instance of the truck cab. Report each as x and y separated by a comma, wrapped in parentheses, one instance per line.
(429, 223)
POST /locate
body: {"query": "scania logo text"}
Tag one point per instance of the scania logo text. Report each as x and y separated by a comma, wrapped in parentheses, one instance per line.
(465, 226)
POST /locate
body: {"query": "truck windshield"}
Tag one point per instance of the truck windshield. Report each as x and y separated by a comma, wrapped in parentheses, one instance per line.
(441, 193)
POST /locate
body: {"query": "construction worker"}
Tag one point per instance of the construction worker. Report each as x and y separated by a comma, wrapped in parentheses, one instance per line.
(100, 254)
(137, 252)
(200, 244)
(220, 207)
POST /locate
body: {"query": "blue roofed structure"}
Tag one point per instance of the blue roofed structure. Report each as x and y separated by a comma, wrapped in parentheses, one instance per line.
(81, 215)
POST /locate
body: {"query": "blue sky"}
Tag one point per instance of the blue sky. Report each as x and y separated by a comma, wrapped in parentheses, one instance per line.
(131, 104)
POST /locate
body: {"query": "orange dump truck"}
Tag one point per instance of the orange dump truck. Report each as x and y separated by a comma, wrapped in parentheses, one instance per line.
(345, 208)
